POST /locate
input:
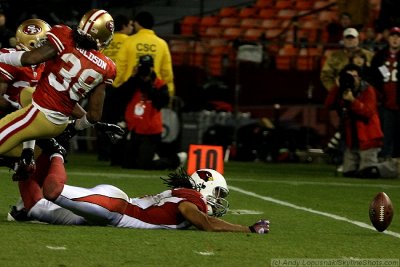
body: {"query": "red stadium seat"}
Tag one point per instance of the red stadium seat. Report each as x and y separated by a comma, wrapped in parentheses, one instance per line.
(308, 59)
(253, 34)
(229, 22)
(267, 13)
(206, 22)
(179, 52)
(286, 14)
(248, 12)
(283, 4)
(228, 12)
(284, 60)
(213, 32)
(197, 55)
(264, 3)
(189, 25)
(232, 33)
(250, 23)
(304, 4)
(271, 24)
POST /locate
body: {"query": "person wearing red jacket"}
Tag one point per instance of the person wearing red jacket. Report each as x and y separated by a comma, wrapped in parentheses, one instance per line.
(146, 94)
(356, 102)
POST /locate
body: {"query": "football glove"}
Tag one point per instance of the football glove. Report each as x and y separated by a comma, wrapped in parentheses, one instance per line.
(113, 131)
(260, 227)
(69, 132)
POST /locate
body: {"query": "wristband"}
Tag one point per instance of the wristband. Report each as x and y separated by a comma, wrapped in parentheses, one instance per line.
(82, 123)
(252, 229)
(13, 58)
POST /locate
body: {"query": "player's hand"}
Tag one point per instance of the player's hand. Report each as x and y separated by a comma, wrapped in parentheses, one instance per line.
(260, 227)
(113, 131)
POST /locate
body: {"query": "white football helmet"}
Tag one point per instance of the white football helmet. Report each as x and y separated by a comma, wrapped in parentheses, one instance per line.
(31, 34)
(212, 185)
(97, 25)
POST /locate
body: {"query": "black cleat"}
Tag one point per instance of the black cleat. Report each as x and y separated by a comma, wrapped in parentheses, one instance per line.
(18, 215)
(51, 146)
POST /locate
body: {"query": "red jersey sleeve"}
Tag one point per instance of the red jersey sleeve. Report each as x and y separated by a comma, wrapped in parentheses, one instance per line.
(192, 196)
(61, 37)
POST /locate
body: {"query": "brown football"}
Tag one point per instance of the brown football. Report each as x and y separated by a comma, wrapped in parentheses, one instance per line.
(381, 211)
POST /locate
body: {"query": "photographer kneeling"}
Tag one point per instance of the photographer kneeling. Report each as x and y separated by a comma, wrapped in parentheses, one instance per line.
(355, 100)
(145, 95)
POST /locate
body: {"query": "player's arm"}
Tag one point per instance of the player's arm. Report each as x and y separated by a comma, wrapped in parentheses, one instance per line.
(96, 102)
(207, 223)
(78, 111)
(33, 57)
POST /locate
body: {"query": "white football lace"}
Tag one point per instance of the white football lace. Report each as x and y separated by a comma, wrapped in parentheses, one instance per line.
(381, 213)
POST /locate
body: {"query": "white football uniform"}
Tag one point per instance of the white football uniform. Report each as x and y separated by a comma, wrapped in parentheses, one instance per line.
(108, 205)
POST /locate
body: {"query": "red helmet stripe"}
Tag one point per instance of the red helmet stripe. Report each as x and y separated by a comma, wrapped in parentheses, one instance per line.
(91, 20)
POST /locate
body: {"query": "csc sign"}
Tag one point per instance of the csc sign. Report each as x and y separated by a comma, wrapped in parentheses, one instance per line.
(147, 48)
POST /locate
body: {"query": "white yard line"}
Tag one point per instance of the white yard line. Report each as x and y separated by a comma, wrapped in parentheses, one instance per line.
(294, 206)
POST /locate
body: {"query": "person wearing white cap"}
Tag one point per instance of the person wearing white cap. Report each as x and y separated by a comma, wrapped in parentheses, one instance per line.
(340, 58)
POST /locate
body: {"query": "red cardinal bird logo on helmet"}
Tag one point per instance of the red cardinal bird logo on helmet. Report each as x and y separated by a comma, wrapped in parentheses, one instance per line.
(205, 175)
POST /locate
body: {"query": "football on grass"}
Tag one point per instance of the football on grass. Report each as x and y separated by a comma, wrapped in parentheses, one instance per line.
(381, 211)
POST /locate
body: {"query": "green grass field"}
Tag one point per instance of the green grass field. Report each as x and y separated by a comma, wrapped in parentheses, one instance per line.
(313, 214)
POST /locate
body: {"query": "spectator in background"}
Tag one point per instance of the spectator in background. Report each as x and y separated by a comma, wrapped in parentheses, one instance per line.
(385, 75)
(340, 58)
(359, 11)
(360, 59)
(7, 37)
(123, 28)
(335, 29)
(144, 42)
(356, 101)
(146, 95)
(370, 41)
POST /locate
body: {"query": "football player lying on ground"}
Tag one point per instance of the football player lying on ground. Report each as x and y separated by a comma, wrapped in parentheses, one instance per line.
(192, 200)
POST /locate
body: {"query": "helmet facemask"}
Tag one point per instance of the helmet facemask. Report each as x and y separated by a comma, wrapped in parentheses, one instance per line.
(217, 202)
(212, 185)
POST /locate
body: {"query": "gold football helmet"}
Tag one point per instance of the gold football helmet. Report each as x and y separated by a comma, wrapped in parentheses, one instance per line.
(98, 25)
(31, 34)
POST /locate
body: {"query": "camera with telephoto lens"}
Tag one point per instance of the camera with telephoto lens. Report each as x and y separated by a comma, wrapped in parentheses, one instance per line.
(145, 65)
(346, 82)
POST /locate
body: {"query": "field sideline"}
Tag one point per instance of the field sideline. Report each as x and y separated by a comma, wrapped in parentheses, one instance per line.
(314, 215)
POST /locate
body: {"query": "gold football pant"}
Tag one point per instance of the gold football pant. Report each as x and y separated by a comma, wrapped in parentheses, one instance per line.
(25, 124)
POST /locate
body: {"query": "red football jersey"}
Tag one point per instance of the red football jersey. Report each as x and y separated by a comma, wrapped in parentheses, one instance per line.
(18, 78)
(162, 209)
(71, 75)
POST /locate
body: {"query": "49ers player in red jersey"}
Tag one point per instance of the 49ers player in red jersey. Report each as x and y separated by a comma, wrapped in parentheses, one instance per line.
(21, 81)
(75, 68)
(18, 83)
(192, 200)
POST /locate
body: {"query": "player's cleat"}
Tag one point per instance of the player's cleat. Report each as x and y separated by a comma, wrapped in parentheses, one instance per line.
(18, 215)
(26, 165)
